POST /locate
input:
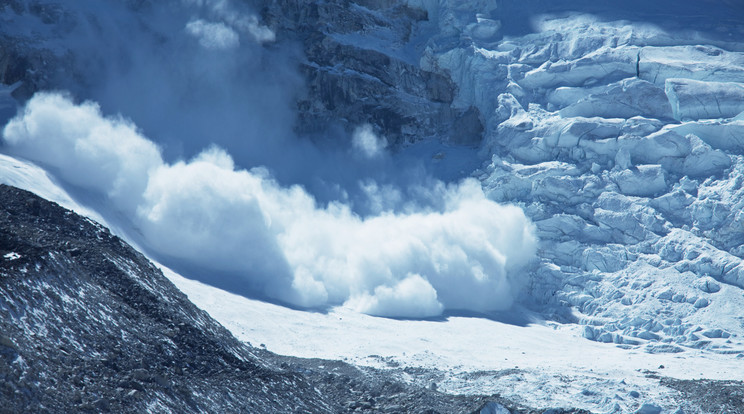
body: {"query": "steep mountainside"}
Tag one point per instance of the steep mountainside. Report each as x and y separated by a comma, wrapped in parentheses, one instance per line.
(616, 128)
(87, 324)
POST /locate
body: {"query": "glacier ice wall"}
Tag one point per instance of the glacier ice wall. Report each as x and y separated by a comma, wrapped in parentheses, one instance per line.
(622, 141)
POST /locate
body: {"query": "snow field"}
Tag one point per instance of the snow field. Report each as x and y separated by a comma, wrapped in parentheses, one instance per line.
(541, 364)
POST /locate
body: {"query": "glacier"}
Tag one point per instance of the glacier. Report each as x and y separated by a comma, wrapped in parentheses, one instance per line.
(617, 129)
(621, 142)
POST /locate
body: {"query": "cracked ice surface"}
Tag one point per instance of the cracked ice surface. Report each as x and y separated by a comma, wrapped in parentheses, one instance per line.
(625, 144)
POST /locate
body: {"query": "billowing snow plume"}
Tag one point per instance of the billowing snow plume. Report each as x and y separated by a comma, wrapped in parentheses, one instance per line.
(213, 35)
(366, 143)
(465, 254)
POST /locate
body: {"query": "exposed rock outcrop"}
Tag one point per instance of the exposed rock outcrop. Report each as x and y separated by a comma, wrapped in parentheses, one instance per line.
(89, 324)
(360, 67)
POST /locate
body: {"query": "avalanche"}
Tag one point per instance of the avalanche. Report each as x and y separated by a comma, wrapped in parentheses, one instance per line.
(616, 129)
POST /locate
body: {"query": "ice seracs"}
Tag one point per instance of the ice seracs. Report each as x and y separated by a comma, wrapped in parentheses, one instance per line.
(624, 148)
(693, 100)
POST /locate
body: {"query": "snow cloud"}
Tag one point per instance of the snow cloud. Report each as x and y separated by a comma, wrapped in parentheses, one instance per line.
(463, 252)
(213, 35)
(190, 73)
(412, 297)
(366, 143)
(106, 155)
(232, 17)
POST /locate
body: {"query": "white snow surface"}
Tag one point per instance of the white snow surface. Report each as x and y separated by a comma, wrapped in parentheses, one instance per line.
(24, 174)
(541, 364)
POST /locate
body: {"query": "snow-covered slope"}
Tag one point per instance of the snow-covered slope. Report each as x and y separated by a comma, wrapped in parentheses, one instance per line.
(515, 355)
(618, 129)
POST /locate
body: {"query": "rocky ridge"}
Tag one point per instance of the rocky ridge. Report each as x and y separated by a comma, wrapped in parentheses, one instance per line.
(90, 325)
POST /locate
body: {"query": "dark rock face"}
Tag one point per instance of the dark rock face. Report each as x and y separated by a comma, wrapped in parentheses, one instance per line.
(710, 396)
(346, 85)
(24, 68)
(88, 324)
(359, 63)
(356, 70)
